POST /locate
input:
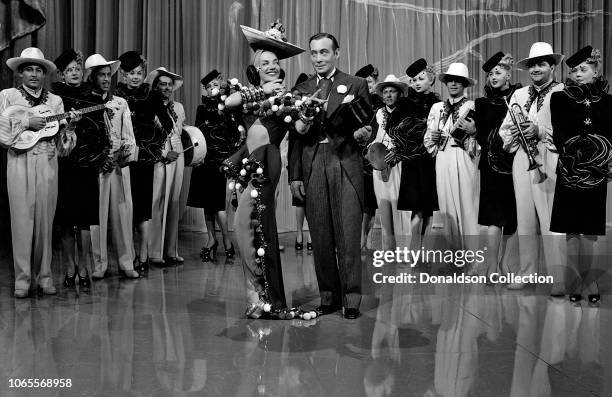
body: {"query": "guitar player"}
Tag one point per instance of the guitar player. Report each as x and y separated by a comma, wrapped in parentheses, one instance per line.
(32, 173)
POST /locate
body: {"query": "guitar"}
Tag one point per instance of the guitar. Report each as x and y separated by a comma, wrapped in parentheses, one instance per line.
(27, 139)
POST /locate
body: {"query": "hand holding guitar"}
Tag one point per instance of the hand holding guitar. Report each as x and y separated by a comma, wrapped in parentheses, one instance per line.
(74, 117)
(36, 123)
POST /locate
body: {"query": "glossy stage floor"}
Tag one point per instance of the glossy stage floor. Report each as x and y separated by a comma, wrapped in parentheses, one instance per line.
(182, 332)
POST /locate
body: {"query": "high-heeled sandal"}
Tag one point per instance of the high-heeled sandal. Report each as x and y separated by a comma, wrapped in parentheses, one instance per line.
(575, 298)
(309, 246)
(298, 246)
(70, 281)
(255, 310)
(84, 282)
(230, 252)
(142, 268)
(209, 254)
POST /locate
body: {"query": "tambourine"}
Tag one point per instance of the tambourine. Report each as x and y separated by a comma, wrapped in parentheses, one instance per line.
(376, 156)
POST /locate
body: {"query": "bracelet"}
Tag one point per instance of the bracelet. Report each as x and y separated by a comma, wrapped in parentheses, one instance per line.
(304, 118)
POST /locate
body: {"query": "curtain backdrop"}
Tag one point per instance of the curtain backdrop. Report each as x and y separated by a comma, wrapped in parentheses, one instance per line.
(192, 37)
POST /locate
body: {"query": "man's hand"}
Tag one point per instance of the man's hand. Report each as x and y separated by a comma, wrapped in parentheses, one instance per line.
(171, 156)
(36, 123)
(435, 136)
(75, 116)
(108, 166)
(530, 130)
(297, 190)
(363, 134)
(468, 125)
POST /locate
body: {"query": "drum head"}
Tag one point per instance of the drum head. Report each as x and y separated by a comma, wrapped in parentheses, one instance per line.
(376, 155)
(194, 146)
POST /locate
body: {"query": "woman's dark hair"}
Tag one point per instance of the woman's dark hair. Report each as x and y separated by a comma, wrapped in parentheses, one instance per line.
(320, 36)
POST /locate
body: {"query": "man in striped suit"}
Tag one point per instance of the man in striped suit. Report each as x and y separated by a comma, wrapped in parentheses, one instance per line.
(326, 171)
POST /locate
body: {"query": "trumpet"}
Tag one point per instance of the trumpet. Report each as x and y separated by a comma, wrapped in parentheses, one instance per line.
(530, 149)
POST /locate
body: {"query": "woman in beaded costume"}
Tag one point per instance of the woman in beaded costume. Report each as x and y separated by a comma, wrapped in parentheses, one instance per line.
(256, 168)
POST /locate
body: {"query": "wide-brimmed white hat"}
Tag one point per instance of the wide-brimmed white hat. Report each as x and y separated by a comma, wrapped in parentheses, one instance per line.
(97, 60)
(457, 69)
(162, 71)
(538, 50)
(391, 81)
(270, 40)
(31, 55)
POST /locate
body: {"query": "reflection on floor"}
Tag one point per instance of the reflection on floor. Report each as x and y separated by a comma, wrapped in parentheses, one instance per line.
(182, 332)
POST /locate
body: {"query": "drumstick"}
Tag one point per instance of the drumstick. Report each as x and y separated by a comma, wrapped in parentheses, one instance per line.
(190, 147)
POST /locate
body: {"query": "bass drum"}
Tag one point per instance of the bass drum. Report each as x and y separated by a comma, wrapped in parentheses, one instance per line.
(194, 146)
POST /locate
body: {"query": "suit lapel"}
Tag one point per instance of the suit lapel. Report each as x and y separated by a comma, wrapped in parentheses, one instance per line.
(335, 99)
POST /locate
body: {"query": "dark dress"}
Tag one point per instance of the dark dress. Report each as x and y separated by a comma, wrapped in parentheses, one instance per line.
(144, 105)
(497, 201)
(78, 192)
(417, 190)
(580, 112)
(263, 210)
(208, 185)
(369, 203)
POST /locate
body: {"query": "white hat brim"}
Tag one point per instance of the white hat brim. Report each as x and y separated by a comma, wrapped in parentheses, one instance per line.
(442, 78)
(401, 87)
(522, 64)
(114, 65)
(13, 63)
(258, 40)
(178, 80)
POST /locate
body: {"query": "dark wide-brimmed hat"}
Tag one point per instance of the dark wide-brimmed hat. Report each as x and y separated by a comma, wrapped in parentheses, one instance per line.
(365, 71)
(271, 40)
(580, 56)
(66, 58)
(131, 60)
(213, 74)
(416, 67)
(493, 61)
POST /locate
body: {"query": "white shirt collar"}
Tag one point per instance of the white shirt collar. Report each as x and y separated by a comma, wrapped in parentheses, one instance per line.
(35, 94)
(452, 101)
(332, 74)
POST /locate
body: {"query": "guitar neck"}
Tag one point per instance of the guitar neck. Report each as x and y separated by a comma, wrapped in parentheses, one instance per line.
(82, 111)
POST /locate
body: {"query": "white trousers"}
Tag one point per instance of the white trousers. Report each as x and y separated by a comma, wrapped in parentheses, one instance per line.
(534, 204)
(458, 184)
(32, 195)
(387, 194)
(167, 184)
(116, 206)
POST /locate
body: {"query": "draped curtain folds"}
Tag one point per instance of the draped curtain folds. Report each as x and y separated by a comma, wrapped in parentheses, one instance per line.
(192, 37)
